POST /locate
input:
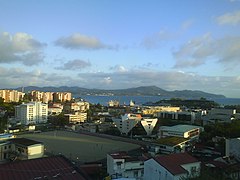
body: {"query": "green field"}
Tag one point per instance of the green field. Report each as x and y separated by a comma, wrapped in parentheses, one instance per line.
(78, 147)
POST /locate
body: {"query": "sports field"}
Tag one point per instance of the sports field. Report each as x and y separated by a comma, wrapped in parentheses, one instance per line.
(78, 147)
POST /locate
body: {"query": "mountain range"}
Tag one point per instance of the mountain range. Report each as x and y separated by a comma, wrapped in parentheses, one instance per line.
(138, 91)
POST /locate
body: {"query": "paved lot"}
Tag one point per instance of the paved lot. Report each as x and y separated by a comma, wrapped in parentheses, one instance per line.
(79, 147)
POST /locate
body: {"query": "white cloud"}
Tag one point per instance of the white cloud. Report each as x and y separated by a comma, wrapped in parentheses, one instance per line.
(75, 64)
(20, 47)
(202, 49)
(80, 41)
(119, 68)
(232, 18)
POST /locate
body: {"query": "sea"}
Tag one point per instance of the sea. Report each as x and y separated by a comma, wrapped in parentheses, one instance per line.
(139, 100)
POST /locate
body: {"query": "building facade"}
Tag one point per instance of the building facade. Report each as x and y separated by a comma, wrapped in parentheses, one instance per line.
(121, 165)
(172, 167)
(185, 131)
(31, 113)
(11, 95)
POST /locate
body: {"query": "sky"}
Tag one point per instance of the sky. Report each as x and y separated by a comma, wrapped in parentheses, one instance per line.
(110, 44)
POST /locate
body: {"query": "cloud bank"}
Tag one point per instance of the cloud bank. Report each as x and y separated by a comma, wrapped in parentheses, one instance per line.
(83, 42)
(232, 18)
(20, 47)
(76, 64)
(202, 49)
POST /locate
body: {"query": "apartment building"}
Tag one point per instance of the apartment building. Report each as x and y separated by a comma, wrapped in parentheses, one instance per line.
(62, 96)
(79, 106)
(11, 95)
(31, 113)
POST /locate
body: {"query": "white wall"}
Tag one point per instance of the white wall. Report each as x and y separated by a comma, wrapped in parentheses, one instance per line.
(148, 125)
(153, 171)
(233, 147)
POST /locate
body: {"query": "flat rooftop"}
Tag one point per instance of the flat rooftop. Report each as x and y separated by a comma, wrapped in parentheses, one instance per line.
(180, 128)
(170, 141)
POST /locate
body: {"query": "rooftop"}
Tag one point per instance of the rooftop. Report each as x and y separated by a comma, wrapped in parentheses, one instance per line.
(171, 140)
(173, 162)
(24, 141)
(42, 168)
(124, 155)
(180, 128)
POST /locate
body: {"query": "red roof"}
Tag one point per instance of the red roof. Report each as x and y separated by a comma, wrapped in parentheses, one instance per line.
(48, 168)
(173, 162)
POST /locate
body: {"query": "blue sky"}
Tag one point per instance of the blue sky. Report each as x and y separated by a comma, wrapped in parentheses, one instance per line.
(110, 44)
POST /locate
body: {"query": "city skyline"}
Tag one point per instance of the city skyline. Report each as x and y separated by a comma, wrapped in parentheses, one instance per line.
(174, 45)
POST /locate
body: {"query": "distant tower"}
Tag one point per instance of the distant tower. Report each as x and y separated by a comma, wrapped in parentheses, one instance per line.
(22, 89)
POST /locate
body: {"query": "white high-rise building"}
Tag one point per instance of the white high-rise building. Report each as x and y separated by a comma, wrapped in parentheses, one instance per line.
(31, 113)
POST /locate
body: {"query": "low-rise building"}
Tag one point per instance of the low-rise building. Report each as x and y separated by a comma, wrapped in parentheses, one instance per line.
(76, 118)
(182, 116)
(168, 145)
(185, 131)
(233, 148)
(5, 148)
(154, 110)
(113, 103)
(219, 115)
(122, 165)
(172, 167)
(23, 148)
(79, 106)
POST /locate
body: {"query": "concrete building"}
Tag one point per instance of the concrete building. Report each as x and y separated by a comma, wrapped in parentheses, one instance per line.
(233, 148)
(11, 95)
(153, 110)
(127, 122)
(76, 118)
(5, 148)
(47, 97)
(172, 167)
(148, 125)
(185, 131)
(62, 96)
(113, 103)
(79, 106)
(121, 165)
(168, 145)
(182, 116)
(219, 115)
(31, 113)
(52, 111)
(24, 148)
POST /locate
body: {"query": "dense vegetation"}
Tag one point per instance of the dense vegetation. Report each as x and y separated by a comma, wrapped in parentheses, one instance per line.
(228, 130)
(201, 103)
